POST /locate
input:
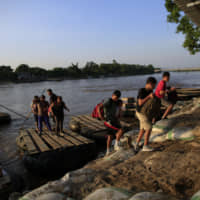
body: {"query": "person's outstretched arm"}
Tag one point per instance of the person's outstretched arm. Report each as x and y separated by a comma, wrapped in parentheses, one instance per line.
(66, 108)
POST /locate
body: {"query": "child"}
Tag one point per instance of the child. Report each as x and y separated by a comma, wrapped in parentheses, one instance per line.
(161, 91)
(58, 112)
(34, 109)
(112, 120)
(144, 95)
(43, 106)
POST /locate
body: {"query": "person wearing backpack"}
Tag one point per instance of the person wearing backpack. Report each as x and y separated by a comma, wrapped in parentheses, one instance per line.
(111, 118)
(145, 97)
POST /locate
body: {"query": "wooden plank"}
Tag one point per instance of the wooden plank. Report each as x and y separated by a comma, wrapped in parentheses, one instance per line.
(87, 119)
(99, 122)
(73, 140)
(96, 122)
(51, 142)
(61, 141)
(197, 2)
(85, 140)
(27, 142)
(85, 123)
(93, 119)
(40, 143)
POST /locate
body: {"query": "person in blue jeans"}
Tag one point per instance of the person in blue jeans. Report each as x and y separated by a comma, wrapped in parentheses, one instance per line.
(43, 106)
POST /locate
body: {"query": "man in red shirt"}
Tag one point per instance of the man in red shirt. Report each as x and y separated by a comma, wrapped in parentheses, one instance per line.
(162, 91)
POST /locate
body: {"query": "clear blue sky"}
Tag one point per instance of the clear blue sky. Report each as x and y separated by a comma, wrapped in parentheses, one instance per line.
(51, 33)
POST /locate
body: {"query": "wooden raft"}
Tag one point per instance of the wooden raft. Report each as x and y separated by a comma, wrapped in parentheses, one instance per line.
(93, 128)
(30, 142)
(87, 122)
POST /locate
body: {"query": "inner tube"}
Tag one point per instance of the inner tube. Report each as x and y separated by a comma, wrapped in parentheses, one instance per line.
(4, 118)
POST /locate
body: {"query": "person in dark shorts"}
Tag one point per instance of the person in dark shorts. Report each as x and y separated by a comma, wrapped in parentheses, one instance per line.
(43, 106)
(58, 113)
(34, 109)
(162, 91)
(111, 119)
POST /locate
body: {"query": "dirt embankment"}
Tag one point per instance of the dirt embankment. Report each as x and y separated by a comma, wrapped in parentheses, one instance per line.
(173, 168)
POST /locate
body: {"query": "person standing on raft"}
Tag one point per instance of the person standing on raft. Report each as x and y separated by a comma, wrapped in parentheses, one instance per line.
(58, 113)
(112, 122)
(162, 91)
(52, 100)
(34, 109)
(43, 106)
(52, 96)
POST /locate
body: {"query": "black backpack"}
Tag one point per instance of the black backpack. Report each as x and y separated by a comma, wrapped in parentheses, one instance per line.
(151, 108)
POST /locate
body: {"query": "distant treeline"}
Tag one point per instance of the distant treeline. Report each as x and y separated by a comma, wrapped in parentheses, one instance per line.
(25, 73)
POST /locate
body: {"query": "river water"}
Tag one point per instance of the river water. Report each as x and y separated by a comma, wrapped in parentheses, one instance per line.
(80, 96)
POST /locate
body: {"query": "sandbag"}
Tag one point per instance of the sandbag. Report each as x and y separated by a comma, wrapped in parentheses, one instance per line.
(51, 196)
(196, 196)
(63, 185)
(109, 194)
(157, 137)
(163, 125)
(182, 133)
(151, 196)
(160, 129)
(130, 133)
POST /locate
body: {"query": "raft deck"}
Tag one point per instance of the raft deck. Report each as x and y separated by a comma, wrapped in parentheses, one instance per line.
(48, 154)
(31, 142)
(93, 128)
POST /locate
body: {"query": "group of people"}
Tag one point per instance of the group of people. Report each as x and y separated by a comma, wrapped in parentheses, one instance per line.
(147, 111)
(43, 110)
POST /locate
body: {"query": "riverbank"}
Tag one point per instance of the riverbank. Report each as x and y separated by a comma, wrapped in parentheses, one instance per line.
(59, 79)
(172, 169)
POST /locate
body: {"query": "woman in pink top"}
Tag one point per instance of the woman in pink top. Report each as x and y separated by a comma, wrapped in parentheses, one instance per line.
(161, 91)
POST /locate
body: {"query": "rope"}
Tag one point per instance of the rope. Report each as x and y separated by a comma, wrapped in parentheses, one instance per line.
(13, 111)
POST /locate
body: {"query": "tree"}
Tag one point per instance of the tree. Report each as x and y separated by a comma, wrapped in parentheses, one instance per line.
(4, 68)
(22, 68)
(7, 74)
(184, 26)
